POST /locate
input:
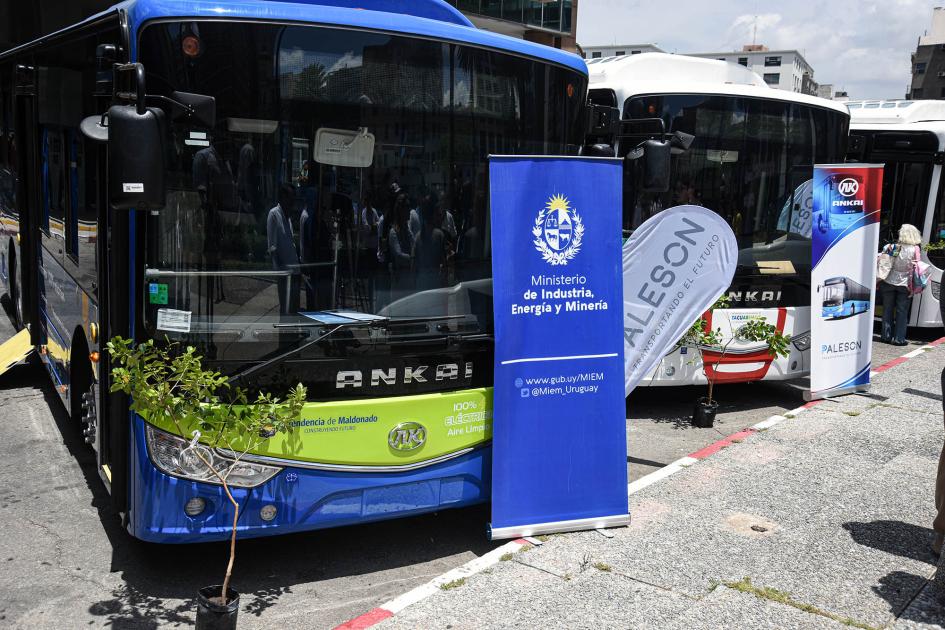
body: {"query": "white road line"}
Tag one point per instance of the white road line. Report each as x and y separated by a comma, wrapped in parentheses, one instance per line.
(577, 356)
(662, 473)
(770, 422)
(914, 353)
(797, 411)
(476, 565)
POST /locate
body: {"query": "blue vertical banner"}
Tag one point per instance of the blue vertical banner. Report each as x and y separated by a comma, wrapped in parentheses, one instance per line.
(844, 241)
(559, 432)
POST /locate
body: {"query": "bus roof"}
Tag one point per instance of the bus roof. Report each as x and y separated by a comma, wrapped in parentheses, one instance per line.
(896, 112)
(425, 18)
(663, 73)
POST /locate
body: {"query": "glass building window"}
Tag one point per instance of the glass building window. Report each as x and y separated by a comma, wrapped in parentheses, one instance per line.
(772, 78)
(512, 10)
(743, 61)
(491, 8)
(567, 11)
(920, 67)
(774, 60)
(533, 12)
(551, 15)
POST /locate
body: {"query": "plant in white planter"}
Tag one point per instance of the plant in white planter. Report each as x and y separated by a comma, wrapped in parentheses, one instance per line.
(701, 337)
(168, 384)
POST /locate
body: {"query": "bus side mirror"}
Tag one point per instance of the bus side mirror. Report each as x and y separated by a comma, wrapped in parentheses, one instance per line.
(135, 157)
(656, 166)
(200, 109)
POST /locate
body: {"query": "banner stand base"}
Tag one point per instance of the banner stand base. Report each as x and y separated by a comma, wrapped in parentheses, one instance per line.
(556, 527)
(809, 396)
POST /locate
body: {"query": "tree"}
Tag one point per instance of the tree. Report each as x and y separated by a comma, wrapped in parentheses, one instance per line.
(165, 381)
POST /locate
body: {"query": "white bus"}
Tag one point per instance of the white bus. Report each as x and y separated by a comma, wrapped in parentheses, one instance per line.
(752, 162)
(909, 138)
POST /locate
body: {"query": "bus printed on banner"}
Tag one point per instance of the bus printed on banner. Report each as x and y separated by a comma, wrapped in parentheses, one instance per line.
(842, 297)
(751, 160)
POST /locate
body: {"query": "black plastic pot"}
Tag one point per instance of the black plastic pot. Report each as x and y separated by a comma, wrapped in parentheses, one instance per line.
(703, 414)
(212, 615)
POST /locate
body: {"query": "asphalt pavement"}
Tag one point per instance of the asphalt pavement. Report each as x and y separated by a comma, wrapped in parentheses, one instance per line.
(67, 562)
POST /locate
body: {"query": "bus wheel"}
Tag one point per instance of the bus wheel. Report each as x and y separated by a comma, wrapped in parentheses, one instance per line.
(82, 394)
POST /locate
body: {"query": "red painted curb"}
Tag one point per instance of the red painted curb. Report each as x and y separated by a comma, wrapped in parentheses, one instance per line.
(366, 620)
(712, 449)
(891, 364)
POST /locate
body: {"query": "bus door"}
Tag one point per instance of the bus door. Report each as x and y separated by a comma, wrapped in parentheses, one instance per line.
(26, 301)
(911, 173)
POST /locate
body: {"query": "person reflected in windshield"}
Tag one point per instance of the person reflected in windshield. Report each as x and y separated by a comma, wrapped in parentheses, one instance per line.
(213, 179)
(471, 250)
(315, 246)
(282, 250)
(429, 249)
(247, 180)
(400, 241)
(368, 224)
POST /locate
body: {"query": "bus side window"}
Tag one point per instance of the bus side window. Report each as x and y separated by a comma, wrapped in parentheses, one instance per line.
(53, 190)
(72, 207)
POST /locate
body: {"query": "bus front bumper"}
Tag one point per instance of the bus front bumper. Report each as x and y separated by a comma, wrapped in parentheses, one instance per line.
(303, 499)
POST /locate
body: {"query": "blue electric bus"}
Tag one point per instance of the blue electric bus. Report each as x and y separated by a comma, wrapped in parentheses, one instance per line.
(249, 178)
(843, 298)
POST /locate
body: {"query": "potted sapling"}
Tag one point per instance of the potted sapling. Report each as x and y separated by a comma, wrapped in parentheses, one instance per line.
(702, 337)
(169, 387)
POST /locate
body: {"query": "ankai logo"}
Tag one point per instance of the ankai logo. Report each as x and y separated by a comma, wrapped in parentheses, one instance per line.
(848, 187)
(407, 436)
(558, 231)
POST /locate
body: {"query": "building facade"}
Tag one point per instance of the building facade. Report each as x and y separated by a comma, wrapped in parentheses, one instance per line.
(928, 61)
(782, 69)
(617, 50)
(549, 22)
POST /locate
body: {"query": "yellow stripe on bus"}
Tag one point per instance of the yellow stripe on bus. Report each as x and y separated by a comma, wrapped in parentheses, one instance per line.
(15, 350)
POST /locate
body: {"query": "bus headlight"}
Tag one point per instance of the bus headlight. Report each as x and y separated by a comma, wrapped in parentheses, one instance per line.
(174, 455)
(802, 341)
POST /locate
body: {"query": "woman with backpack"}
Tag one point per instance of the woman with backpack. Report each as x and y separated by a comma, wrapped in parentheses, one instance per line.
(897, 266)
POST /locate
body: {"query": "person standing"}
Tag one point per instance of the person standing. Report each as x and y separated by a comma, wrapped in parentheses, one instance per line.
(894, 288)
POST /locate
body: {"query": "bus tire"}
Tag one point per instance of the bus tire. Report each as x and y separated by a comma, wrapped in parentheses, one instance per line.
(83, 407)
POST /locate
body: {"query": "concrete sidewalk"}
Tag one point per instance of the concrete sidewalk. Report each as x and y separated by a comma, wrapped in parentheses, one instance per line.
(822, 520)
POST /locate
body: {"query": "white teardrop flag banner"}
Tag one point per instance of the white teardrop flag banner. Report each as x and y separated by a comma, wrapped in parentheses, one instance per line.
(675, 266)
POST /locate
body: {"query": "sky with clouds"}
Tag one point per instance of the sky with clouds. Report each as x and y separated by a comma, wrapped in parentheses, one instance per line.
(861, 46)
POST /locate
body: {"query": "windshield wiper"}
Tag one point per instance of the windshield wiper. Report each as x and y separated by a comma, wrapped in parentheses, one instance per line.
(379, 322)
(274, 361)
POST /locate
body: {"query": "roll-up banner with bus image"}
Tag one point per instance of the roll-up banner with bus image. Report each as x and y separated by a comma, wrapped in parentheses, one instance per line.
(844, 241)
(559, 459)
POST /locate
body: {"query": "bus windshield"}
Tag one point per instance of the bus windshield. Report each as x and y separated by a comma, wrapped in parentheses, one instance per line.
(346, 171)
(833, 294)
(752, 162)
